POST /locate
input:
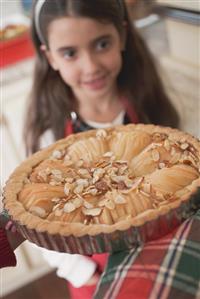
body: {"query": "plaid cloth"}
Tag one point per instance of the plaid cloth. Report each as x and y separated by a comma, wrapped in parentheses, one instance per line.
(168, 268)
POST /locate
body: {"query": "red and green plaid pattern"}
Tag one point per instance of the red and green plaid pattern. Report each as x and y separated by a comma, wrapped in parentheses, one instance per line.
(168, 268)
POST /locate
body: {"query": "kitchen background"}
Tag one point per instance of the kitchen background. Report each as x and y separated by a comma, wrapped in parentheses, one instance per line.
(171, 28)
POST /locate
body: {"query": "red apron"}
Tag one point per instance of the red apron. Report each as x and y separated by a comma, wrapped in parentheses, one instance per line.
(86, 292)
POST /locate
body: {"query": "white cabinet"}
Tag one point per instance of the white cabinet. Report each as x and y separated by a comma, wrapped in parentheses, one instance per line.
(182, 4)
(16, 84)
(181, 62)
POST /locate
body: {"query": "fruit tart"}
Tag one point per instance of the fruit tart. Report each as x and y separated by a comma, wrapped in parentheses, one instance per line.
(107, 189)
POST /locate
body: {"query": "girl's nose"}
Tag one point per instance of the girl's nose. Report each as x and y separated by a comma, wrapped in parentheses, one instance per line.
(90, 64)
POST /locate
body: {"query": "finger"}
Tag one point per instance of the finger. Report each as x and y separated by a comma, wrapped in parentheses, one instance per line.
(13, 229)
(10, 226)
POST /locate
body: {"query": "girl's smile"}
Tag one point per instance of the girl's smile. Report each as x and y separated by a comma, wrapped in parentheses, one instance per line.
(87, 54)
(95, 84)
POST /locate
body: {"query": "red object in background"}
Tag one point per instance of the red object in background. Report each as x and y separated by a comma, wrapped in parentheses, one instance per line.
(16, 49)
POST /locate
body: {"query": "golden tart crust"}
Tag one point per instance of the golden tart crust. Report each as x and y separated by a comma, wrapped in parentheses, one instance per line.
(104, 180)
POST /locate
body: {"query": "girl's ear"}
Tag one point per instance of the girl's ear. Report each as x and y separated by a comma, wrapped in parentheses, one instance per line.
(49, 57)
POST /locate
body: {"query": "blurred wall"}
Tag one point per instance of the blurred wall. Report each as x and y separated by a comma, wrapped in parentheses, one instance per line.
(10, 7)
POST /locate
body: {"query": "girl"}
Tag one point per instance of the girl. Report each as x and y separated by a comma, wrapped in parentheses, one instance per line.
(92, 70)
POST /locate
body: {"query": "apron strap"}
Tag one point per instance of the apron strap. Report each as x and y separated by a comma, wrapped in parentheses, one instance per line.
(68, 127)
(127, 106)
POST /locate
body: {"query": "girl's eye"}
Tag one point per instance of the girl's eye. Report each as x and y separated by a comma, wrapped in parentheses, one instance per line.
(69, 54)
(103, 44)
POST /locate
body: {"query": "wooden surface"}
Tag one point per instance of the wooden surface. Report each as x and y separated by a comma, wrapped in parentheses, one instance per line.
(48, 287)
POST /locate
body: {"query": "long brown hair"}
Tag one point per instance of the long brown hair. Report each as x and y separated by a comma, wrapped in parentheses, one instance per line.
(52, 100)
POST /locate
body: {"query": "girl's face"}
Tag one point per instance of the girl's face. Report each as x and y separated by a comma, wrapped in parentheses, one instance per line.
(87, 55)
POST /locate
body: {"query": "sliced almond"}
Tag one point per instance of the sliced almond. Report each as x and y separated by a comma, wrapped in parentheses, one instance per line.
(147, 188)
(99, 172)
(119, 178)
(58, 178)
(137, 183)
(43, 175)
(101, 164)
(184, 146)
(88, 205)
(129, 183)
(152, 146)
(123, 169)
(67, 158)
(91, 212)
(69, 180)
(56, 154)
(155, 155)
(83, 182)
(173, 151)
(113, 158)
(56, 207)
(167, 144)
(79, 189)
(161, 165)
(108, 154)
(183, 140)
(101, 133)
(55, 199)
(159, 196)
(159, 136)
(83, 172)
(56, 172)
(93, 191)
(112, 171)
(119, 199)
(95, 179)
(48, 171)
(55, 183)
(78, 201)
(67, 188)
(69, 207)
(38, 211)
(102, 202)
(27, 181)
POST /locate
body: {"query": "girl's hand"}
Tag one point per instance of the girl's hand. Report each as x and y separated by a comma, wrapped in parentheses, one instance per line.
(13, 236)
